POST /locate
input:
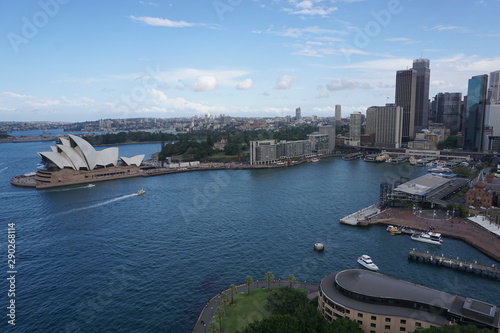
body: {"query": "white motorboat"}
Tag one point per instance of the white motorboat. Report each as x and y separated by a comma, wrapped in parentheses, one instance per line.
(319, 246)
(366, 261)
(428, 237)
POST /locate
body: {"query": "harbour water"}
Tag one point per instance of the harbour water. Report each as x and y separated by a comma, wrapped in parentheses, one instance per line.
(102, 258)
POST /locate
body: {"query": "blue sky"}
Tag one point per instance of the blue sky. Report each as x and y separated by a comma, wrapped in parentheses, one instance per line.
(68, 60)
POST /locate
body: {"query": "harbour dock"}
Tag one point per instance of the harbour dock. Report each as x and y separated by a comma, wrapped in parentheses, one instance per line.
(362, 216)
(461, 265)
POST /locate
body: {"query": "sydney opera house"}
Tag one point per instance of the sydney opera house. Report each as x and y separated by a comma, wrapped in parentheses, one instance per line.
(75, 161)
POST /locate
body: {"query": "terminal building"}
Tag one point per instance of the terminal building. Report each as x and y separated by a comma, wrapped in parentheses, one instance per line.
(427, 191)
(384, 304)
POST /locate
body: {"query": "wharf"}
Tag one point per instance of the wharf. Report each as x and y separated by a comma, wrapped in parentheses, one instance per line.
(461, 265)
(362, 216)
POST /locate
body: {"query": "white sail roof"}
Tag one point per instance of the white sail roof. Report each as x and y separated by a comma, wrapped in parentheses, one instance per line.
(78, 154)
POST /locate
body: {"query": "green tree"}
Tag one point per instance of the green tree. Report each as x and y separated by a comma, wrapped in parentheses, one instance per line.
(285, 300)
(291, 278)
(224, 299)
(463, 172)
(249, 282)
(269, 278)
(219, 314)
(232, 289)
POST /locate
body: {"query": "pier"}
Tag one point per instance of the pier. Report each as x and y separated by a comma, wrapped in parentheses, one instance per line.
(461, 265)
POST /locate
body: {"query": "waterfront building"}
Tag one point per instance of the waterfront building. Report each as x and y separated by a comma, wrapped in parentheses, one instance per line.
(386, 122)
(475, 112)
(75, 161)
(330, 131)
(406, 87)
(319, 142)
(381, 303)
(421, 66)
(446, 108)
(263, 152)
(270, 151)
(355, 129)
(338, 114)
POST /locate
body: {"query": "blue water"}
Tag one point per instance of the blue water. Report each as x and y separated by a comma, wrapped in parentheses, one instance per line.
(97, 259)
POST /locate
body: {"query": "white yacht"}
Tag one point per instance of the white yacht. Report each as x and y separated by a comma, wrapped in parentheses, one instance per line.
(366, 261)
(428, 237)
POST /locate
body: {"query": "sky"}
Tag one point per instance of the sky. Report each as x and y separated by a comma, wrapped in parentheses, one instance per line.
(68, 60)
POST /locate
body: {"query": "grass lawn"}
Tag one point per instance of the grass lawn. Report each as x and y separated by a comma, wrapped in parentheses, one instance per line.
(246, 310)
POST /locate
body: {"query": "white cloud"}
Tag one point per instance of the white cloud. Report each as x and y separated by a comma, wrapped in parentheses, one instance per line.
(309, 8)
(245, 84)
(204, 83)
(344, 84)
(442, 27)
(160, 22)
(403, 40)
(285, 82)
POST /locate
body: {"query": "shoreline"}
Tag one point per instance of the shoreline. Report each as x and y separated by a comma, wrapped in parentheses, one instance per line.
(463, 229)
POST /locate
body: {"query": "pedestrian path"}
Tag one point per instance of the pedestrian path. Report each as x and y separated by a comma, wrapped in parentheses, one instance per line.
(484, 222)
(208, 311)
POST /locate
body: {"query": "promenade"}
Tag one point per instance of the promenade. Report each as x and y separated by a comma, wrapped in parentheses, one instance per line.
(482, 237)
(208, 310)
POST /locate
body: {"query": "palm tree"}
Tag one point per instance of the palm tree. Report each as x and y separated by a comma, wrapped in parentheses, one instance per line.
(224, 301)
(232, 289)
(269, 277)
(219, 314)
(248, 281)
(291, 279)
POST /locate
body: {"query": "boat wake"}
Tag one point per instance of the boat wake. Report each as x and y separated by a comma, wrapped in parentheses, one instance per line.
(3, 169)
(71, 188)
(107, 202)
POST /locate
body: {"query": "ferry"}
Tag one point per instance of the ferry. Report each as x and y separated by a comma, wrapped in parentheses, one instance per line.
(366, 261)
(428, 237)
(315, 160)
(439, 169)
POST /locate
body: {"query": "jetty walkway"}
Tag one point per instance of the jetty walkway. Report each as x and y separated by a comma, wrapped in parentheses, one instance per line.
(462, 265)
(208, 311)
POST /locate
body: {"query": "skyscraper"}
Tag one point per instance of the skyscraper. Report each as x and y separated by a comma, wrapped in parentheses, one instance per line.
(355, 128)
(422, 93)
(388, 126)
(298, 115)
(330, 130)
(446, 107)
(338, 113)
(491, 135)
(475, 112)
(406, 86)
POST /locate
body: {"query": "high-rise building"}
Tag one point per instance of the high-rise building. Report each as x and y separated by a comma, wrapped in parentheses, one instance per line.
(422, 93)
(475, 112)
(355, 129)
(491, 134)
(338, 113)
(406, 87)
(298, 114)
(371, 113)
(388, 126)
(446, 109)
(330, 130)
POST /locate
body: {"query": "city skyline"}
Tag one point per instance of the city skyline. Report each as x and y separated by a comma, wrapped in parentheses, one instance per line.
(69, 61)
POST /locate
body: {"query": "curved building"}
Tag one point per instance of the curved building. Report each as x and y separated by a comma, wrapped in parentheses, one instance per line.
(75, 161)
(383, 304)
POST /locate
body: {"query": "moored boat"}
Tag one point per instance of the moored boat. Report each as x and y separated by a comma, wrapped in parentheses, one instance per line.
(366, 261)
(428, 237)
(393, 230)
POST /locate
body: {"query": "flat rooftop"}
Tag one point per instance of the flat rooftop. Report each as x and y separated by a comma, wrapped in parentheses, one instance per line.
(422, 185)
